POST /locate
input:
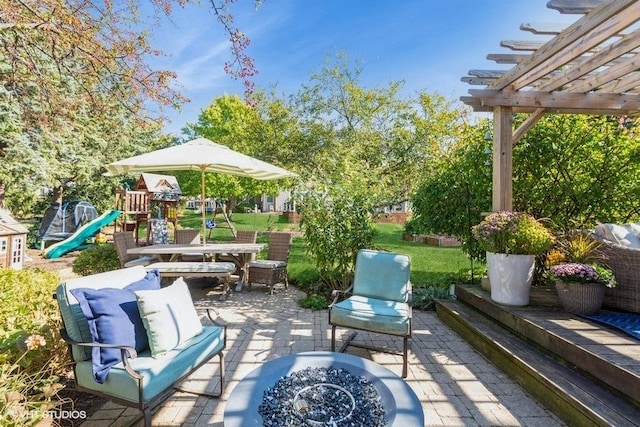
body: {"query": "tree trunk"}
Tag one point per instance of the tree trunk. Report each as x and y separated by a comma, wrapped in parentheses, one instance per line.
(232, 202)
(56, 197)
(2, 192)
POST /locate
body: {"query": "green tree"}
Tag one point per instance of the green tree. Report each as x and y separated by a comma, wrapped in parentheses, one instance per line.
(337, 223)
(76, 85)
(374, 134)
(230, 121)
(571, 170)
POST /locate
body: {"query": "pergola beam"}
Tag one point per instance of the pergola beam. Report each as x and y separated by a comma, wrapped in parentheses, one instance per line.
(555, 51)
(557, 100)
(502, 159)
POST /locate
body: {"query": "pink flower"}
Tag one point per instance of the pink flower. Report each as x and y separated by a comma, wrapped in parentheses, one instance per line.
(33, 342)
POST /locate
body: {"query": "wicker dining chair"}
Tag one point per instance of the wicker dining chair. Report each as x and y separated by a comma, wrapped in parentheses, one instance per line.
(272, 270)
(188, 236)
(124, 240)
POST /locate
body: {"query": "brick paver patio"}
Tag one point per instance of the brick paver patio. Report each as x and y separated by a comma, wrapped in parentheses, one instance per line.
(456, 385)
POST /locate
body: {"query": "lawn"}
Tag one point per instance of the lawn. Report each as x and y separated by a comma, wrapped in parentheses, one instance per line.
(429, 265)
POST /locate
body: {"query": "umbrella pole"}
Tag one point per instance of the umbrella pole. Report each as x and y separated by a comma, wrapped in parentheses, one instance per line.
(203, 237)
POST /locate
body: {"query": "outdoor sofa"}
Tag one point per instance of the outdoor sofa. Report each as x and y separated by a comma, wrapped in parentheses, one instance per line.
(620, 245)
(134, 361)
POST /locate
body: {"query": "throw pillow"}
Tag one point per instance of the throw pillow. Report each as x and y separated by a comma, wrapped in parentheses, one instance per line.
(169, 317)
(113, 317)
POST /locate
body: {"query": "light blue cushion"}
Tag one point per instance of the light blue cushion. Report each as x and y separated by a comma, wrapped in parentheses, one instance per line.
(382, 275)
(113, 318)
(158, 373)
(169, 316)
(371, 314)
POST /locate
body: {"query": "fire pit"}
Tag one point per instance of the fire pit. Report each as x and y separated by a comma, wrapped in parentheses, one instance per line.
(314, 377)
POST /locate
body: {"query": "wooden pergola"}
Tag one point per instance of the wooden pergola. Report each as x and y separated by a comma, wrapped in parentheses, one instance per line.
(590, 67)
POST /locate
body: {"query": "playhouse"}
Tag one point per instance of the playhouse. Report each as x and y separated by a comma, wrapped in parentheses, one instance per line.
(13, 241)
(155, 197)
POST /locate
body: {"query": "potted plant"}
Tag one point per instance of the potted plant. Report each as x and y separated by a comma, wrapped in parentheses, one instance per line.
(581, 286)
(512, 240)
(579, 277)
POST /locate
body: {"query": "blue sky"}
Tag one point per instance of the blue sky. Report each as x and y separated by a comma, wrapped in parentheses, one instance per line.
(430, 44)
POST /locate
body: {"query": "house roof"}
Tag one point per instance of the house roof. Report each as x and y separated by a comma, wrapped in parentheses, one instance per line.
(160, 183)
(9, 226)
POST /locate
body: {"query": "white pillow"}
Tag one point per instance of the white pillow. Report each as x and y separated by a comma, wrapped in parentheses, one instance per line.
(624, 235)
(168, 316)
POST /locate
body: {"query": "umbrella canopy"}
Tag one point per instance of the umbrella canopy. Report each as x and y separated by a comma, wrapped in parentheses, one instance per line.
(203, 155)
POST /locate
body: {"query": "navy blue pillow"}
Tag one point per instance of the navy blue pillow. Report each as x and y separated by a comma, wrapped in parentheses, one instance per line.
(114, 318)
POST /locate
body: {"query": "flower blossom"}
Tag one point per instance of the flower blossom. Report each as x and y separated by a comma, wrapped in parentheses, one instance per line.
(33, 342)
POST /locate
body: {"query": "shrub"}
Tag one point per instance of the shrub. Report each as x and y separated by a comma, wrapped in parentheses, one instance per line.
(314, 302)
(337, 223)
(32, 355)
(425, 298)
(96, 259)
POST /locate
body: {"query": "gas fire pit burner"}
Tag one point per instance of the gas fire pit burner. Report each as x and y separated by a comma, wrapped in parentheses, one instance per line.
(322, 389)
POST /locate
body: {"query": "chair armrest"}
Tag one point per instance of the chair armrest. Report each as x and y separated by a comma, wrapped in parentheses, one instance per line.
(126, 351)
(335, 294)
(214, 320)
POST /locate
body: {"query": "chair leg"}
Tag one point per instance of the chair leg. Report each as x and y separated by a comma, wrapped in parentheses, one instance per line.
(333, 338)
(147, 416)
(405, 357)
(221, 373)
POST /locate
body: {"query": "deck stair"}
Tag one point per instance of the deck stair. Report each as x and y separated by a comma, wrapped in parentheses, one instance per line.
(587, 374)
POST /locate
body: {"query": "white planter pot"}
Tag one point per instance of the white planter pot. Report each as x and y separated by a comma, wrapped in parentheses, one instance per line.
(510, 277)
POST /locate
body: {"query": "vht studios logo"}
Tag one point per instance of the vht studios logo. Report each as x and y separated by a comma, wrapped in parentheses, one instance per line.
(58, 414)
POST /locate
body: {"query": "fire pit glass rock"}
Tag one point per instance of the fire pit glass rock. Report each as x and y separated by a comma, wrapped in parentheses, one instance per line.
(322, 397)
(396, 402)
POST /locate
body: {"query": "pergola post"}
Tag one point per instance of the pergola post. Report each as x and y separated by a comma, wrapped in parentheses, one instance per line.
(502, 158)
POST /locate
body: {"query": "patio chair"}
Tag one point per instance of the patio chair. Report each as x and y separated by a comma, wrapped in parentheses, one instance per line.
(124, 240)
(188, 236)
(379, 301)
(272, 270)
(241, 237)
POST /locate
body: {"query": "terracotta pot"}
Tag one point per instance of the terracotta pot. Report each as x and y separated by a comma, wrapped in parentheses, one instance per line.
(580, 298)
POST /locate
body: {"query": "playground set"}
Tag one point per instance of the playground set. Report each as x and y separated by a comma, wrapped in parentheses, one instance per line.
(153, 204)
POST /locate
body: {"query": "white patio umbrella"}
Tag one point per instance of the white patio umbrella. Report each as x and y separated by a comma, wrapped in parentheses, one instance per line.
(203, 155)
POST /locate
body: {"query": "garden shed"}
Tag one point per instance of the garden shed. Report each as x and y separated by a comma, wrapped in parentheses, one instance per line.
(13, 241)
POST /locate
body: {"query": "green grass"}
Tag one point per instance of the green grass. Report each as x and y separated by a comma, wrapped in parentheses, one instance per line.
(241, 221)
(429, 265)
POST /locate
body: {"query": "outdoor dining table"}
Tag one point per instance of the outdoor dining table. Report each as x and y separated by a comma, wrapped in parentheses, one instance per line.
(240, 252)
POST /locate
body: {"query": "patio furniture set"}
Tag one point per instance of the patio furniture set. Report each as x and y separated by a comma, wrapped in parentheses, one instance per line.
(132, 341)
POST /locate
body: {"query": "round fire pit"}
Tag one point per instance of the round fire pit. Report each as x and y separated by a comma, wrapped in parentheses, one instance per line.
(400, 404)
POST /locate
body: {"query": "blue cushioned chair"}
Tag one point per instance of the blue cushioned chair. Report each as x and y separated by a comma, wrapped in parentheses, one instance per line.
(380, 300)
(137, 380)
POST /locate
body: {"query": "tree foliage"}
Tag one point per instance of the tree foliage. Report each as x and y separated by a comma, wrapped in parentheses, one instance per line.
(230, 121)
(571, 170)
(77, 90)
(374, 136)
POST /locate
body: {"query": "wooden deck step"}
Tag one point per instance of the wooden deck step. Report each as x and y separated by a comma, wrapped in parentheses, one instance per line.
(605, 354)
(570, 395)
